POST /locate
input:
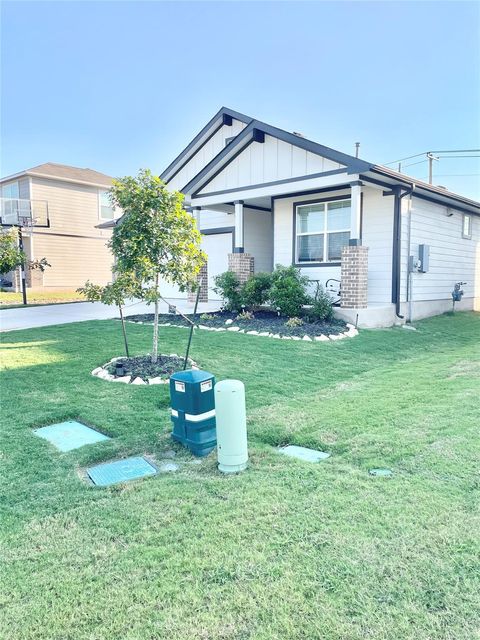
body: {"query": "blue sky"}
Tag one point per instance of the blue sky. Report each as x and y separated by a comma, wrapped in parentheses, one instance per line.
(116, 86)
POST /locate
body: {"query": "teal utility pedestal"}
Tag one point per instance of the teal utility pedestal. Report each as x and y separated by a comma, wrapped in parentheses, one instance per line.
(193, 410)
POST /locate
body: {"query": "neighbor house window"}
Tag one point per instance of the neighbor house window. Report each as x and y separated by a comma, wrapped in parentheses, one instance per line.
(322, 230)
(106, 209)
(467, 226)
(11, 190)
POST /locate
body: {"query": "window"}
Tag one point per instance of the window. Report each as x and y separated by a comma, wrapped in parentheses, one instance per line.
(467, 226)
(11, 190)
(322, 230)
(106, 209)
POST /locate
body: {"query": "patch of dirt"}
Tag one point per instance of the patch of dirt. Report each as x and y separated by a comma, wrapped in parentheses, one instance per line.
(261, 321)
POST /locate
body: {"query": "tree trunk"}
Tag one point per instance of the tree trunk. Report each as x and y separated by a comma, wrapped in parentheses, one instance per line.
(155, 325)
(123, 329)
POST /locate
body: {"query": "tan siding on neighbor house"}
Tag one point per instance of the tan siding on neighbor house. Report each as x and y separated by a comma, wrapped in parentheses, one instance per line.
(76, 250)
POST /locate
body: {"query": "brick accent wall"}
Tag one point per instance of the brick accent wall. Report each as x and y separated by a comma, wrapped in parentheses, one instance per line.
(354, 278)
(202, 280)
(34, 278)
(242, 264)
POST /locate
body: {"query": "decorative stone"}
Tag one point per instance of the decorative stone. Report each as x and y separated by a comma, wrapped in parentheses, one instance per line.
(252, 333)
(333, 336)
(125, 379)
(286, 338)
(307, 338)
(264, 333)
(386, 473)
(350, 326)
(202, 326)
(138, 381)
(103, 374)
(157, 380)
(96, 371)
(295, 338)
(233, 329)
(321, 338)
(242, 331)
(276, 335)
(220, 329)
(166, 467)
(229, 321)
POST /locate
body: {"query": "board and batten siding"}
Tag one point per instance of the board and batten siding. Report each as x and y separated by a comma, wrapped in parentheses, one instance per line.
(269, 161)
(452, 257)
(75, 248)
(258, 239)
(203, 156)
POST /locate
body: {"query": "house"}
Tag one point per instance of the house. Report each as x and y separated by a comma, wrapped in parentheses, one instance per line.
(65, 205)
(263, 196)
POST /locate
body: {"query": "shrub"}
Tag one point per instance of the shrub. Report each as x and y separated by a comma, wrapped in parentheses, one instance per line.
(288, 291)
(207, 316)
(322, 308)
(245, 315)
(227, 285)
(294, 322)
(256, 289)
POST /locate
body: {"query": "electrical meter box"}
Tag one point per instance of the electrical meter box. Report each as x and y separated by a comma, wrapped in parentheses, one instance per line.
(424, 257)
(192, 402)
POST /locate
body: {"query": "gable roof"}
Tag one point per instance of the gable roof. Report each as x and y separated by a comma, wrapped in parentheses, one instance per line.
(254, 131)
(67, 173)
(223, 117)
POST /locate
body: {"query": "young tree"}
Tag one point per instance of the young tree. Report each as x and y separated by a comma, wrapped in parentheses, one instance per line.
(125, 286)
(156, 238)
(11, 256)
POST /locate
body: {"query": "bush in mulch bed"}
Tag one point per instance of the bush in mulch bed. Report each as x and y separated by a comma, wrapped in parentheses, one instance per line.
(260, 321)
(142, 366)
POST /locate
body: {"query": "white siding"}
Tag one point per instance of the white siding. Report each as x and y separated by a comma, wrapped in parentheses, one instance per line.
(267, 162)
(452, 258)
(206, 153)
(258, 239)
(377, 235)
(212, 219)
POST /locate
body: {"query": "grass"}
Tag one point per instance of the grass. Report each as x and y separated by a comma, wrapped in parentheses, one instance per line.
(11, 299)
(287, 550)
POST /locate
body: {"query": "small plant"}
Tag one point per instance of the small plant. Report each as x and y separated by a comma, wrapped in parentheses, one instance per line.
(321, 308)
(227, 285)
(294, 322)
(256, 290)
(288, 293)
(245, 315)
(207, 317)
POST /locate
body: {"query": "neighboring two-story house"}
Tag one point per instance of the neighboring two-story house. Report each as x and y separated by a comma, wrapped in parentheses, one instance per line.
(66, 205)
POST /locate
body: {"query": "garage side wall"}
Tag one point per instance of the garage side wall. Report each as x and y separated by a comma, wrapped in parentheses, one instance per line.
(453, 258)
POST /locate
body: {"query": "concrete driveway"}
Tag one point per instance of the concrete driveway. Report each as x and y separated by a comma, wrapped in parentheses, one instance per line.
(45, 315)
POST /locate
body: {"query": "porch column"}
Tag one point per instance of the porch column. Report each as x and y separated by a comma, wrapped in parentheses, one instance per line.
(356, 213)
(241, 263)
(238, 248)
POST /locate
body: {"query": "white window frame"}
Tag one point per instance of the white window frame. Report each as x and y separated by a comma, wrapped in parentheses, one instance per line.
(100, 217)
(325, 231)
(10, 184)
(465, 217)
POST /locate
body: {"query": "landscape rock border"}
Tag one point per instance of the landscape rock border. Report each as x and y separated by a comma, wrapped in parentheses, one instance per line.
(102, 373)
(351, 333)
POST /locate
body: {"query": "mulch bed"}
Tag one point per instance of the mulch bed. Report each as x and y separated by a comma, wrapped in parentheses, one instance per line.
(142, 367)
(262, 321)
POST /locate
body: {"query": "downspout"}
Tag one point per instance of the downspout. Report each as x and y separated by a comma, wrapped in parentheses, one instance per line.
(397, 245)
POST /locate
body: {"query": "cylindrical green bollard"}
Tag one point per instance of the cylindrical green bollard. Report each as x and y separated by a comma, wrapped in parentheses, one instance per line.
(232, 448)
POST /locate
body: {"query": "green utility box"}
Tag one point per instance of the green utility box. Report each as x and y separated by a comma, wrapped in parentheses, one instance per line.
(193, 410)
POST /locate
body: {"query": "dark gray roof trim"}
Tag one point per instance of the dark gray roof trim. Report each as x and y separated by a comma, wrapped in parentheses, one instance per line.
(200, 139)
(221, 160)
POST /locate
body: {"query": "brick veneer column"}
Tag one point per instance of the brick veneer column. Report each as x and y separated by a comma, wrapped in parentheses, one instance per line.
(202, 280)
(242, 264)
(354, 278)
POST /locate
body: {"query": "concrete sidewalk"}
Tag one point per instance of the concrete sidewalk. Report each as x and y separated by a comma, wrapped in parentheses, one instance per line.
(45, 315)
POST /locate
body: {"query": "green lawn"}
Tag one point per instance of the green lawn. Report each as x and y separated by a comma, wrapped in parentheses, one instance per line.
(287, 550)
(35, 298)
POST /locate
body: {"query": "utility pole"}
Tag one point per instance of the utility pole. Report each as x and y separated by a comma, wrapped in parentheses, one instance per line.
(430, 158)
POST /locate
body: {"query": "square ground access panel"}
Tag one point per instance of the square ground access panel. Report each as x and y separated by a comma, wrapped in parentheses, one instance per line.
(109, 473)
(69, 435)
(302, 453)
